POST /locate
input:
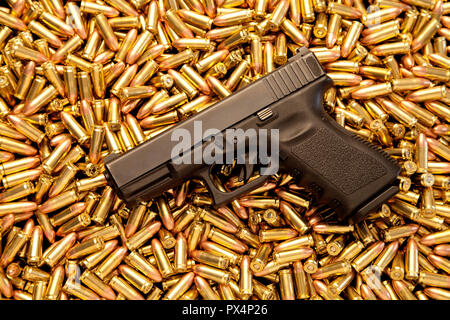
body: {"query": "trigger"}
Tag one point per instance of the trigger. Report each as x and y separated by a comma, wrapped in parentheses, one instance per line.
(241, 175)
(246, 172)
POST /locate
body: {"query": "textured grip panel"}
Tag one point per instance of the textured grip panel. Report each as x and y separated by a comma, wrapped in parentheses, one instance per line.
(346, 167)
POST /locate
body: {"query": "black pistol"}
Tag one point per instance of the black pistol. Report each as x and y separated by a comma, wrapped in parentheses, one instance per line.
(349, 174)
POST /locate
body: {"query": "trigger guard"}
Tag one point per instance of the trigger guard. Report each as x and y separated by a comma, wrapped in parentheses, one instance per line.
(217, 195)
(221, 198)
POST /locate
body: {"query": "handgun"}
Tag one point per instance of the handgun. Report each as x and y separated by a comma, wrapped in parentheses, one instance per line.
(349, 174)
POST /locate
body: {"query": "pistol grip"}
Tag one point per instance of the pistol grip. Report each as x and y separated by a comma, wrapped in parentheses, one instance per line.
(348, 169)
(349, 174)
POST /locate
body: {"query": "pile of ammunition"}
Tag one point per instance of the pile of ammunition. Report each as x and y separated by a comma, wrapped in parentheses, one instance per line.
(82, 80)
